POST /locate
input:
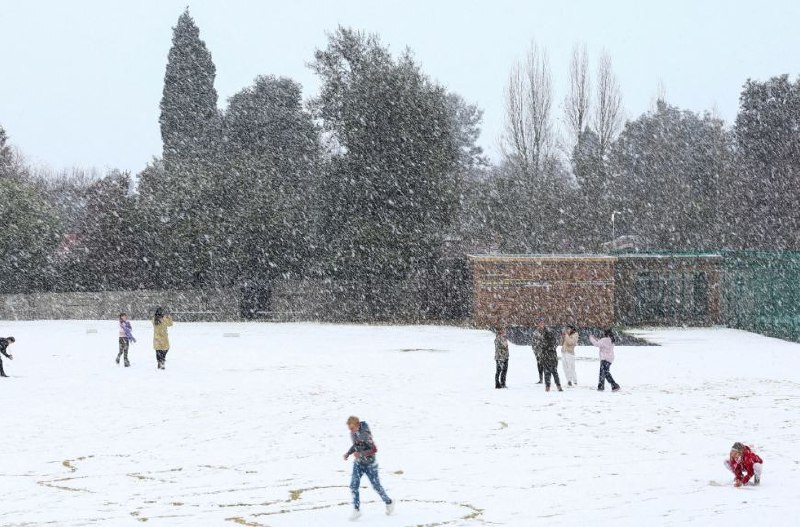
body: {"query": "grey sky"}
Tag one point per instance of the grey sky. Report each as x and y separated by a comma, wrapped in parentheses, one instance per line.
(81, 80)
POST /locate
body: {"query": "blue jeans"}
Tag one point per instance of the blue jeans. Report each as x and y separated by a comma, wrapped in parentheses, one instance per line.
(371, 471)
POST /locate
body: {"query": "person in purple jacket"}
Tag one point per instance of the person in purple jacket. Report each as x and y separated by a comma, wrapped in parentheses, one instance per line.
(125, 338)
(606, 346)
(364, 450)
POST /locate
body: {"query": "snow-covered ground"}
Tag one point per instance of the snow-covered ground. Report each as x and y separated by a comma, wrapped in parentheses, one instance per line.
(250, 430)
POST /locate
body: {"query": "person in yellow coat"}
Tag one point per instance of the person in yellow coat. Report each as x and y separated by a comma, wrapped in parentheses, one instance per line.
(160, 336)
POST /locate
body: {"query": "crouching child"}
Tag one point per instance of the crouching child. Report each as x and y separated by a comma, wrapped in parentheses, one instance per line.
(745, 464)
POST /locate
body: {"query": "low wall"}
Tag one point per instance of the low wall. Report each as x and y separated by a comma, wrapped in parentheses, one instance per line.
(185, 305)
(407, 301)
(440, 297)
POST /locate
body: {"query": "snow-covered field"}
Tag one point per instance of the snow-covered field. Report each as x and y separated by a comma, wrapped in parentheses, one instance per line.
(250, 430)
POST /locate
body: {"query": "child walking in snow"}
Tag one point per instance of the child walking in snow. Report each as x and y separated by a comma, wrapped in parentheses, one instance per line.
(606, 346)
(500, 358)
(550, 361)
(364, 450)
(745, 464)
(160, 336)
(125, 338)
(568, 342)
(539, 344)
(4, 344)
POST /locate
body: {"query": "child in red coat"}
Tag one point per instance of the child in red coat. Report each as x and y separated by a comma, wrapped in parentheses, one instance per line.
(745, 464)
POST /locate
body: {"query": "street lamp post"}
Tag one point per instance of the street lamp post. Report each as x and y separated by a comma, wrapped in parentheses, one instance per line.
(613, 228)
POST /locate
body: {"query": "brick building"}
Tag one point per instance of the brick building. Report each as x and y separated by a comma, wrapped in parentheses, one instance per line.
(515, 290)
(670, 289)
(596, 290)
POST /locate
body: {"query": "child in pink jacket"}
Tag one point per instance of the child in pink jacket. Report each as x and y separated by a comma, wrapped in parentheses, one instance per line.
(606, 346)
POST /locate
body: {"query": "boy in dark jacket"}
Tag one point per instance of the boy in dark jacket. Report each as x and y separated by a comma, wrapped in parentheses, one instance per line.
(550, 360)
(745, 464)
(4, 344)
(364, 450)
(544, 346)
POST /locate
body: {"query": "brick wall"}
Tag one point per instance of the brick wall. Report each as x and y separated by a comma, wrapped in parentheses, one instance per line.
(515, 290)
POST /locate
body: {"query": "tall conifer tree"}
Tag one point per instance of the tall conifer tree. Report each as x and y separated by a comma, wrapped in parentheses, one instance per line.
(189, 113)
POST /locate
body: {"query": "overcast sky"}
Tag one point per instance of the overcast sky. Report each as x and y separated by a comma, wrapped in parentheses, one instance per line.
(81, 80)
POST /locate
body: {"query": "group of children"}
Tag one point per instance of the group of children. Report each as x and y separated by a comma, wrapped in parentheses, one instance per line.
(742, 461)
(161, 323)
(160, 340)
(745, 464)
(544, 346)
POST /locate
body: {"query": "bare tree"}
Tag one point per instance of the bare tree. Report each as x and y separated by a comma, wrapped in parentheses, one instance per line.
(661, 94)
(608, 109)
(529, 100)
(515, 142)
(540, 102)
(576, 103)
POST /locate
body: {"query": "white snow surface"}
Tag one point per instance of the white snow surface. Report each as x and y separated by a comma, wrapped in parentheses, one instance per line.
(250, 430)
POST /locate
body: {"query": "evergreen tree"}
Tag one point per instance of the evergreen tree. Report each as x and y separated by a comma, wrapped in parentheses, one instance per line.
(391, 188)
(28, 239)
(189, 116)
(272, 153)
(666, 178)
(159, 251)
(187, 198)
(763, 196)
(531, 214)
(108, 236)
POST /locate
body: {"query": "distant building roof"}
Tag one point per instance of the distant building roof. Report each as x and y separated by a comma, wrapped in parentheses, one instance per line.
(511, 257)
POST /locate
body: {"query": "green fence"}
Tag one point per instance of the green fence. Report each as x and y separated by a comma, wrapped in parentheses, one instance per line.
(761, 293)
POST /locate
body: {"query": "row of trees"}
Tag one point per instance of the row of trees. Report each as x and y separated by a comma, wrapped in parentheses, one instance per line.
(362, 184)
(379, 178)
(677, 180)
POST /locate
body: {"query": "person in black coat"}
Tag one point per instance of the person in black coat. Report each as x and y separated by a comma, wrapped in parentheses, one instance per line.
(538, 344)
(4, 344)
(550, 359)
(544, 346)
